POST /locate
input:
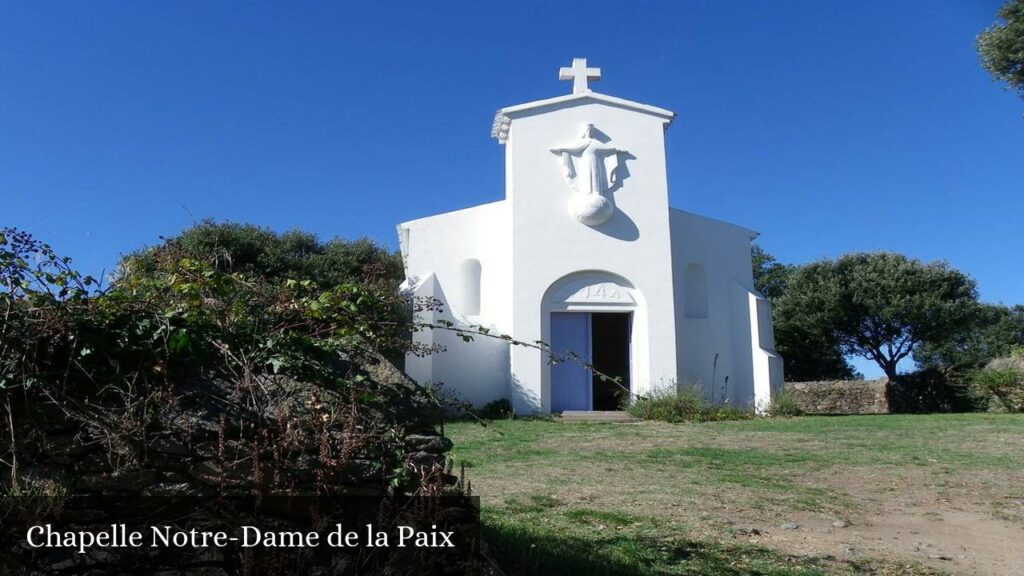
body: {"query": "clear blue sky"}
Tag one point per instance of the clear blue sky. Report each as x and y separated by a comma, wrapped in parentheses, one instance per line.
(830, 127)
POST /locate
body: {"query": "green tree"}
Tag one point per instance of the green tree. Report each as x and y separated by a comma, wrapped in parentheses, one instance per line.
(994, 332)
(1001, 46)
(809, 351)
(881, 306)
(770, 276)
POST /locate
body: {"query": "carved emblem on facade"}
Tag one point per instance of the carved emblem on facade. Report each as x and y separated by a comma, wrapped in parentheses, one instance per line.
(583, 165)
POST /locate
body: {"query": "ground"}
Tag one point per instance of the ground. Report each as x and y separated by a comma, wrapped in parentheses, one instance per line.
(895, 494)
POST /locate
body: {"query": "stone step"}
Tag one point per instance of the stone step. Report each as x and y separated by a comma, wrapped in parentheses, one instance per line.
(596, 416)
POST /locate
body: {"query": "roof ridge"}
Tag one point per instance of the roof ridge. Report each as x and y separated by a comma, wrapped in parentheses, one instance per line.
(503, 120)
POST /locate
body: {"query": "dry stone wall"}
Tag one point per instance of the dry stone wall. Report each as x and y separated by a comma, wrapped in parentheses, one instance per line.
(841, 396)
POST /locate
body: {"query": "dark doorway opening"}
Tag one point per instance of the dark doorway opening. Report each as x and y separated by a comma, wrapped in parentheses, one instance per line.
(610, 349)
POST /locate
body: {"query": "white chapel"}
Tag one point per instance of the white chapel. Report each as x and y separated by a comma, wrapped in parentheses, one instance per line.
(585, 254)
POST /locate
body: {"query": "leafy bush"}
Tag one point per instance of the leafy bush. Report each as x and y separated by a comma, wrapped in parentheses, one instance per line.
(932, 390)
(784, 405)
(1003, 379)
(497, 410)
(257, 251)
(114, 362)
(682, 404)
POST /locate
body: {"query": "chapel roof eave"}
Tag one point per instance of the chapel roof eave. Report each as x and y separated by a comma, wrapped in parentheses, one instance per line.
(503, 118)
(752, 234)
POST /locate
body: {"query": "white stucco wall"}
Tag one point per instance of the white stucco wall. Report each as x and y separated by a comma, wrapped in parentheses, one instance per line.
(724, 252)
(549, 244)
(767, 364)
(435, 251)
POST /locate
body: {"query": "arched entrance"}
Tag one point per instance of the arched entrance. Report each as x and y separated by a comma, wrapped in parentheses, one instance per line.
(595, 319)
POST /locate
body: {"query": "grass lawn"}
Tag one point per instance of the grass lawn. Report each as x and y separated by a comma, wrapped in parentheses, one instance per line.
(811, 495)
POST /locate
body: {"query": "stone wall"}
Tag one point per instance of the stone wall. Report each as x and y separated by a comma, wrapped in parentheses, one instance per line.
(841, 396)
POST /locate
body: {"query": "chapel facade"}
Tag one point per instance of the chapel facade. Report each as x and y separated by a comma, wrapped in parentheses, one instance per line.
(585, 254)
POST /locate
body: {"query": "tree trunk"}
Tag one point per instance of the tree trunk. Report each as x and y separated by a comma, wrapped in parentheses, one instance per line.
(889, 367)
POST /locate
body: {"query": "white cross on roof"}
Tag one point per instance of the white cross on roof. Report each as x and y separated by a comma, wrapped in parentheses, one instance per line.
(579, 74)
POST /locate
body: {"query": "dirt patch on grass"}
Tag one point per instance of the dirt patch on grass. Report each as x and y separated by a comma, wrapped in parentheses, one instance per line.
(964, 526)
(945, 492)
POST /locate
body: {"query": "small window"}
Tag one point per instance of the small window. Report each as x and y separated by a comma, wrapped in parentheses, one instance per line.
(695, 291)
(469, 284)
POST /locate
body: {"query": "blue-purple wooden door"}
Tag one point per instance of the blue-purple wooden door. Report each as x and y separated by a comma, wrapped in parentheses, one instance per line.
(571, 382)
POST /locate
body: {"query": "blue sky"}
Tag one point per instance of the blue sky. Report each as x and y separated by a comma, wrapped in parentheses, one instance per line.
(830, 127)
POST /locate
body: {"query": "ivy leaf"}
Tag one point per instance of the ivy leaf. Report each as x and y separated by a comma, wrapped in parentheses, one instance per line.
(276, 363)
(179, 341)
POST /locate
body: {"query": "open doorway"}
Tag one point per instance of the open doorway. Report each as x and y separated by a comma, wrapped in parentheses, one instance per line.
(610, 348)
(600, 339)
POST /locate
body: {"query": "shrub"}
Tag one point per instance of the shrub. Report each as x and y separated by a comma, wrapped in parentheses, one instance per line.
(120, 363)
(668, 405)
(257, 385)
(682, 404)
(256, 251)
(933, 390)
(496, 410)
(784, 405)
(1003, 379)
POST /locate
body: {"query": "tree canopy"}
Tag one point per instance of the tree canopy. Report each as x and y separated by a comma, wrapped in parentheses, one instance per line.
(1001, 46)
(809, 351)
(881, 306)
(770, 276)
(995, 331)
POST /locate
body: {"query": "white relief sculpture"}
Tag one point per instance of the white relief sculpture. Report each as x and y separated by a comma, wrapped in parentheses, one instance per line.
(583, 164)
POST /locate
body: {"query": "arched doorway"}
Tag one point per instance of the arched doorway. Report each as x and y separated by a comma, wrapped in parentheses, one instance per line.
(592, 321)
